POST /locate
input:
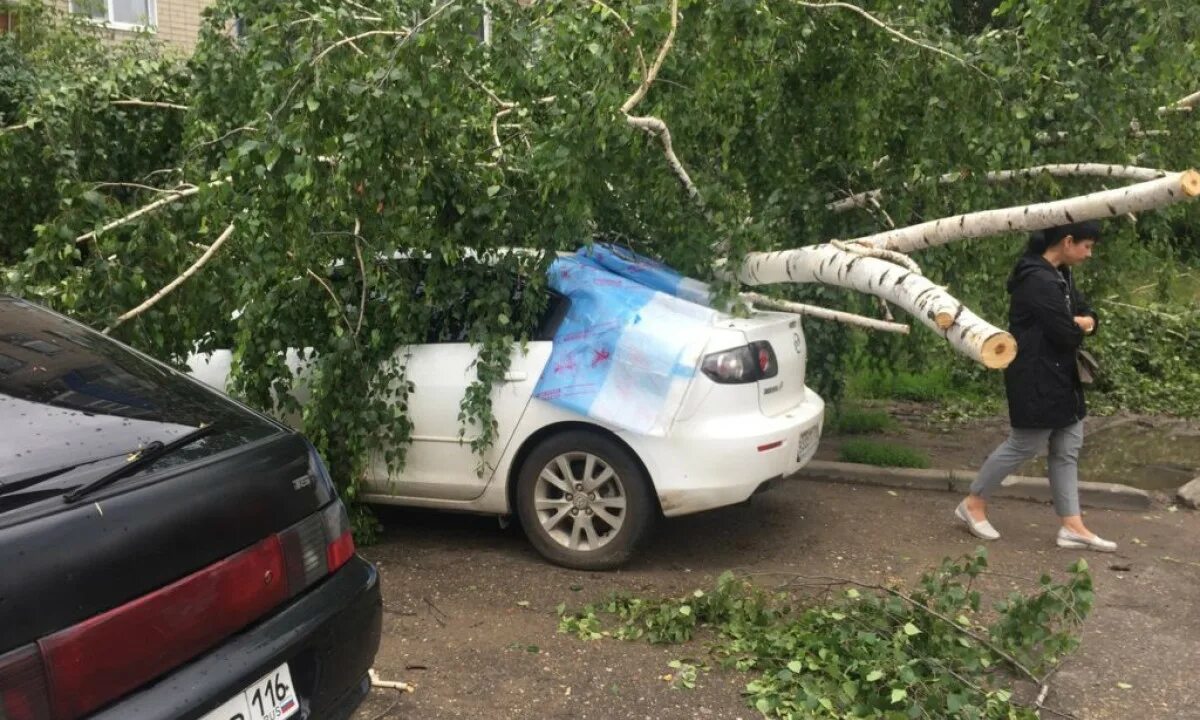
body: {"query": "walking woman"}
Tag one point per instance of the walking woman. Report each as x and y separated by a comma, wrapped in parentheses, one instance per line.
(1049, 319)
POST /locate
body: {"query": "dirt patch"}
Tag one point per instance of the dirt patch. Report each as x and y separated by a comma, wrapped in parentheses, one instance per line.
(470, 609)
(962, 444)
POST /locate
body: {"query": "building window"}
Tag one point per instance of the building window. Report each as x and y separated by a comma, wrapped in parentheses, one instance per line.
(120, 14)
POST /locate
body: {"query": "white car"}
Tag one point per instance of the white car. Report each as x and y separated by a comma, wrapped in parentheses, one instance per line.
(587, 491)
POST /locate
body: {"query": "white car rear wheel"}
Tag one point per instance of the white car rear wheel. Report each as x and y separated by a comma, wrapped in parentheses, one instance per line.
(583, 501)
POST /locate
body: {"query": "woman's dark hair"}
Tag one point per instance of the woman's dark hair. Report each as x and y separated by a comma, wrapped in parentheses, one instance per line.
(1042, 240)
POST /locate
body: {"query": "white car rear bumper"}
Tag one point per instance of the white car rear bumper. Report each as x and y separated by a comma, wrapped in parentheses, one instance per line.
(711, 463)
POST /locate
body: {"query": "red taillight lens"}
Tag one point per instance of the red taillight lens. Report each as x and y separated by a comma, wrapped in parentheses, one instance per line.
(106, 656)
(746, 364)
(23, 694)
(72, 672)
(337, 532)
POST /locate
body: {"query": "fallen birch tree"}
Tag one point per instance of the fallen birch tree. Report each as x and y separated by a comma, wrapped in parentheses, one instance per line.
(833, 264)
(1061, 170)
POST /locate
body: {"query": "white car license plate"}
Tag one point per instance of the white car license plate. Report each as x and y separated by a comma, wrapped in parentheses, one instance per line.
(806, 445)
(271, 698)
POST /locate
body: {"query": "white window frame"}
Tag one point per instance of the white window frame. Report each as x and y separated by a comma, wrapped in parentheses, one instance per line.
(108, 22)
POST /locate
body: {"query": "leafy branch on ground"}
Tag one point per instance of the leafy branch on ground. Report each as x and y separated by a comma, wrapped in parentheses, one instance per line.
(831, 647)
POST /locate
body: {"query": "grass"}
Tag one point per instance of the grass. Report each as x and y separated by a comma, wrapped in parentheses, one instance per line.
(870, 452)
(880, 384)
(857, 421)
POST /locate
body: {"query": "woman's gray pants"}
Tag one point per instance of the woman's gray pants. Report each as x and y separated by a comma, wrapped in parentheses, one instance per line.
(1025, 443)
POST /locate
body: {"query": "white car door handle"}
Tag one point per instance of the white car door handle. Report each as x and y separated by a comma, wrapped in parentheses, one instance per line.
(515, 376)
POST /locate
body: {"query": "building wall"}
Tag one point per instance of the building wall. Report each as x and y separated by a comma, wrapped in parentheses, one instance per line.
(178, 22)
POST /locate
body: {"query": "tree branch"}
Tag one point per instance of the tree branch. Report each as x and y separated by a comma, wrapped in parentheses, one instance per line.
(404, 34)
(824, 313)
(658, 128)
(148, 103)
(891, 256)
(890, 30)
(173, 196)
(652, 73)
(336, 303)
(1167, 190)
(1185, 104)
(362, 270)
(1125, 172)
(140, 186)
(212, 249)
(1016, 664)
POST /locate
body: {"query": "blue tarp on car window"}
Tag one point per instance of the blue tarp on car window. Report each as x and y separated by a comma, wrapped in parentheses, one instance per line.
(627, 349)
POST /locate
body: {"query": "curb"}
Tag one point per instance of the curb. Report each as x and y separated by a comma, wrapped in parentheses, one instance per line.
(1109, 496)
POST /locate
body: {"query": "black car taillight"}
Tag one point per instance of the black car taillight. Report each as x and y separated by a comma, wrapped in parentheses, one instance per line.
(23, 692)
(746, 364)
(92, 663)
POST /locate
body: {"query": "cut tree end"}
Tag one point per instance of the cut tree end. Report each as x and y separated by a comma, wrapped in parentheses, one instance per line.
(998, 351)
(1190, 182)
(944, 320)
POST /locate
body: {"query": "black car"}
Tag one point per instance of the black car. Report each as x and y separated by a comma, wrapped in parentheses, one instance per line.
(164, 551)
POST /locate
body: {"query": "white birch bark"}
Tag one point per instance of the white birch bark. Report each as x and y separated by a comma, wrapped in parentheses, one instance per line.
(1149, 195)
(170, 197)
(1181, 105)
(920, 297)
(824, 313)
(1100, 170)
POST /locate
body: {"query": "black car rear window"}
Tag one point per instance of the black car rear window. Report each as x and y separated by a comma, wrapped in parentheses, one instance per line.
(70, 396)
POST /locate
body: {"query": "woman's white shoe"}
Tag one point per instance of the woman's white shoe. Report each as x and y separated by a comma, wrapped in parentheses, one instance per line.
(981, 529)
(1075, 541)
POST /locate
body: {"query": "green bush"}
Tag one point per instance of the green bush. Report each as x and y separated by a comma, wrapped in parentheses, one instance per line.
(885, 384)
(884, 454)
(857, 421)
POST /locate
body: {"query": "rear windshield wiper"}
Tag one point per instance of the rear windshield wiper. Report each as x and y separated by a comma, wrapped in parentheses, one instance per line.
(142, 458)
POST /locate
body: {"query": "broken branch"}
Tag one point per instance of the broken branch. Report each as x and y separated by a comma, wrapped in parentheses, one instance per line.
(149, 103)
(1186, 104)
(172, 196)
(652, 72)
(658, 128)
(212, 249)
(1125, 172)
(916, 294)
(1173, 188)
(824, 313)
(404, 34)
(889, 29)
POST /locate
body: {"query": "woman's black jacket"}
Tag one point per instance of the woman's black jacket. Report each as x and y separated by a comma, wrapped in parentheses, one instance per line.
(1042, 383)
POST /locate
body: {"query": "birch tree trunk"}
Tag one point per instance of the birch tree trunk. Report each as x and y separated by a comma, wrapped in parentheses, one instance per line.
(1149, 195)
(920, 297)
(1100, 170)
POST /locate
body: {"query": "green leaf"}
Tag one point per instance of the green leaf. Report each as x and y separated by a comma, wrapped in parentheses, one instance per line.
(492, 190)
(898, 694)
(795, 666)
(910, 629)
(874, 675)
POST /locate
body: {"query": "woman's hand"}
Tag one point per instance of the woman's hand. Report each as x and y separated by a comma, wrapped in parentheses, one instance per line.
(1086, 323)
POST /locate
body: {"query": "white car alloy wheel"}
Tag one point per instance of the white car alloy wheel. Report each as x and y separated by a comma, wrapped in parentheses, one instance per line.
(580, 501)
(584, 500)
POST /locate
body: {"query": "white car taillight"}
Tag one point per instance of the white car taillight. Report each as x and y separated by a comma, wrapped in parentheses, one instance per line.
(746, 364)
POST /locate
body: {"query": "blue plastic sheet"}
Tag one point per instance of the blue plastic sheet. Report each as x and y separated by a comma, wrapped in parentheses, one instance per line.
(645, 271)
(628, 348)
